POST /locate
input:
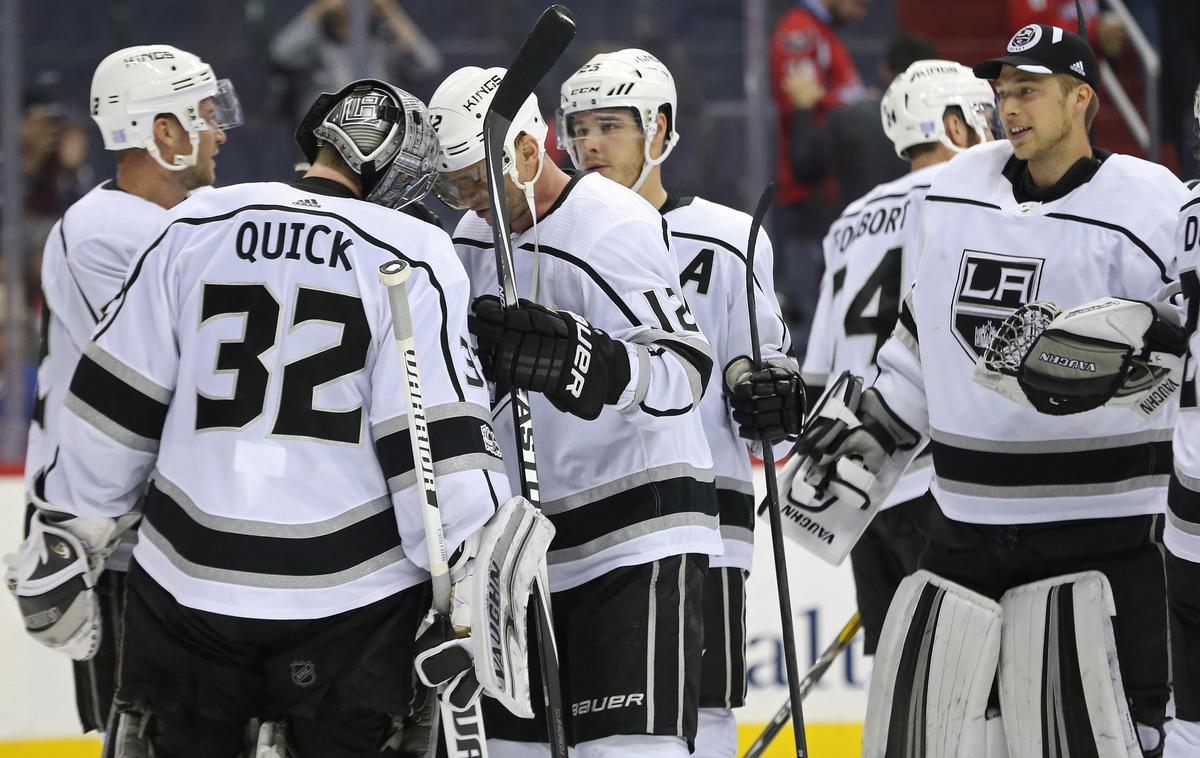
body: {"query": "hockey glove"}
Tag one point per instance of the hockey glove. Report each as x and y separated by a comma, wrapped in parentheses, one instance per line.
(1128, 352)
(53, 577)
(768, 405)
(444, 658)
(577, 367)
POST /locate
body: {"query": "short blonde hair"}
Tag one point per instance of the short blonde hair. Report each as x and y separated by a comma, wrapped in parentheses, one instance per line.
(1068, 84)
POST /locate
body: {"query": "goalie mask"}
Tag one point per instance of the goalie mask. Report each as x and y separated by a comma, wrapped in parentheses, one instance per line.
(1115, 352)
(133, 86)
(383, 133)
(915, 103)
(457, 110)
(629, 78)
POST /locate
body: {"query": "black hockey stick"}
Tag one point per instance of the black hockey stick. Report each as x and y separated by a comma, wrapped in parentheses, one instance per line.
(819, 667)
(768, 456)
(462, 729)
(549, 38)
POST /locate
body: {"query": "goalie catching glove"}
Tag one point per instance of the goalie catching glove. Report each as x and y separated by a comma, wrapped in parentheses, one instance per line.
(1110, 351)
(483, 645)
(579, 368)
(768, 404)
(851, 453)
(53, 577)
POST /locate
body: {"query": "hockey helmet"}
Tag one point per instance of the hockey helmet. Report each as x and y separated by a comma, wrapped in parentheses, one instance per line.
(383, 133)
(628, 78)
(915, 102)
(134, 85)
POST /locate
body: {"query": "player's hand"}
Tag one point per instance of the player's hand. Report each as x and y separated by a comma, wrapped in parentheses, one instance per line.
(444, 658)
(768, 405)
(803, 89)
(577, 367)
(1111, 36)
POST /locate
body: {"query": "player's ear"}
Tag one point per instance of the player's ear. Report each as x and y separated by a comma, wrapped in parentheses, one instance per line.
(167, 132)
(660, 135)
(957, 130)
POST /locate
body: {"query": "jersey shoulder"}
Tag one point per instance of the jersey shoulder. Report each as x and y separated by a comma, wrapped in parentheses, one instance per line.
(705, 220)
(112, 217)
(915, 183)
(599, 203)
(974, 173)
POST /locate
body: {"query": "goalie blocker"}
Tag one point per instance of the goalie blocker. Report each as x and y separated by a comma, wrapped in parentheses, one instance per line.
(1060, 685)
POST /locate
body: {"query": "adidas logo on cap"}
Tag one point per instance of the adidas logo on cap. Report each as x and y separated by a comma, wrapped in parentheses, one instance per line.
(1077, 67)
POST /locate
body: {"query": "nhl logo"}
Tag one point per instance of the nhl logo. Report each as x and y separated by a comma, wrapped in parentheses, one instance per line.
(304, 673)
(990, 287)
(1025, 38)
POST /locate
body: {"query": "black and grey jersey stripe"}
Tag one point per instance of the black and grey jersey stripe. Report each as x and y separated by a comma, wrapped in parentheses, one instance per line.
(1057, 468)
(326, 553)
(460, 437)
(118, 400)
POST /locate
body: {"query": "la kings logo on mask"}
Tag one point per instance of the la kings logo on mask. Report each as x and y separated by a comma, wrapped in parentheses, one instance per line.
(990, 287)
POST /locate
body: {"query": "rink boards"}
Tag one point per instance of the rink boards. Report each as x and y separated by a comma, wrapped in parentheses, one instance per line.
(37, 710)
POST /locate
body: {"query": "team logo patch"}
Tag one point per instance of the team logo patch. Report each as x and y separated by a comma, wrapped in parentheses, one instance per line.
(304, 673)
(1025, 38)
(990, 287)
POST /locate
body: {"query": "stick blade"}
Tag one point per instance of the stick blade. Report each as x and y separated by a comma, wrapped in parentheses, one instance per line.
(542, 48)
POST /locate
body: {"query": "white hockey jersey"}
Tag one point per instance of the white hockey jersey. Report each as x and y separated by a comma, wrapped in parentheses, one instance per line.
(248, 370)
(635, 484)
(709, 241)
(983, 254)
(870, 263)
(83, 265)
(1182, 533)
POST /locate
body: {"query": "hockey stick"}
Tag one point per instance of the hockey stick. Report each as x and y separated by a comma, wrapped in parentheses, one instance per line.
(768, 456)
(546, 42)
(819, 667)
(463, 730)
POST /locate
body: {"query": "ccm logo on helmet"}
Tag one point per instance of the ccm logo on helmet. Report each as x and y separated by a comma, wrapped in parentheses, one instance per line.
(479, 94)
(585, 90)
(157, 55)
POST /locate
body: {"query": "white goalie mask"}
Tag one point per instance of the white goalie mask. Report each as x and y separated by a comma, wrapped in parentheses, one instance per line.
(382, 132)
(456, 111)
(131, 87)
(913, 107)
(629, 78)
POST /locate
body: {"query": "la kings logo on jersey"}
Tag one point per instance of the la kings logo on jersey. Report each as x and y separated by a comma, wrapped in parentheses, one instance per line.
(990, 287)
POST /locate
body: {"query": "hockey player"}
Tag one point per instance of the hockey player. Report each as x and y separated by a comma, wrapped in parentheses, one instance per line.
(1052, 516)
(623, 468)
(248, 370)
(617, 119)
(164, 113)
(930, 112)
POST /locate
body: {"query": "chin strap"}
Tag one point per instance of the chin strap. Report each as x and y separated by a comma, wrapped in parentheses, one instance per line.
(182, 162)
(649, 163)
(527, 189)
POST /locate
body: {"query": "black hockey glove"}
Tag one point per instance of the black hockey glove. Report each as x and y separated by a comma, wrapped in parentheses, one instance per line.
(768, 404)
(577, 367)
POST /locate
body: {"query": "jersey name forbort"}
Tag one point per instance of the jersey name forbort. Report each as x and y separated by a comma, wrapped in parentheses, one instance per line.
(870, 262)
(249, 371)
(1182, 534)
(636, 484)
(83, 264)
(982, 254)
(709, 241)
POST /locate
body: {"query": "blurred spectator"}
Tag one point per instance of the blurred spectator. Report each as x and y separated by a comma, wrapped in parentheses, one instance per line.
(1106, 33)
(811, 73)
(314, 51)
(1180, 23)
(852, 133)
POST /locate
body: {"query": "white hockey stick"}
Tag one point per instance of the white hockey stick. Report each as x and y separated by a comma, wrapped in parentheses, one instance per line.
(463, 730)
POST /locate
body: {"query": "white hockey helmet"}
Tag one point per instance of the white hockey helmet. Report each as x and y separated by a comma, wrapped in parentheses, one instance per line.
(134, 85)
(915, 102)
(629, 78)
(384, 135)
(456, 111)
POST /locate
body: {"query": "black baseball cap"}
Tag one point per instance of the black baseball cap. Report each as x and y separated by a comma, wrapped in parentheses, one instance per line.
(1042, 49)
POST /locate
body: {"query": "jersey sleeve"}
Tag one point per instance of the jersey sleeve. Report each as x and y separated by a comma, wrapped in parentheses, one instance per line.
(900, 379)
(636, 298)
(119, 395)
(818, 358)
(469, 473)
(1182, 534)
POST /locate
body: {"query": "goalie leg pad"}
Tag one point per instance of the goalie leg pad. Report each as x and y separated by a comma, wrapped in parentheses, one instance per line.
(512, 553)
(1060, 684)
(933, 672)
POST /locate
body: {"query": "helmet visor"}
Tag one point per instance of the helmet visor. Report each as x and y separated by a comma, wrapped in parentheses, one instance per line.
(984, 118)
(226, 109)
(463, 188)
(618, 128)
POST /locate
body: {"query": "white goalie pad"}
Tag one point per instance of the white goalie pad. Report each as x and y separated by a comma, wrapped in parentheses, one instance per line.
(512, 552)
(1060, 684)
(934, 668)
